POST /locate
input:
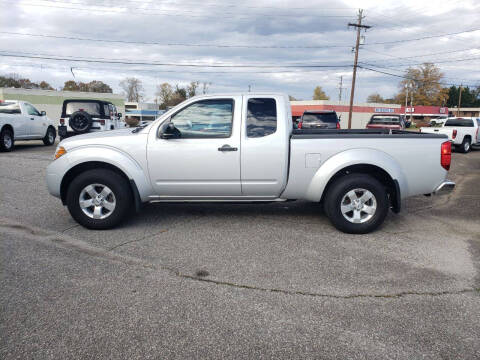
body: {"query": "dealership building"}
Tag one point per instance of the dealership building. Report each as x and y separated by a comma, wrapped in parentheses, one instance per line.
(51, 101)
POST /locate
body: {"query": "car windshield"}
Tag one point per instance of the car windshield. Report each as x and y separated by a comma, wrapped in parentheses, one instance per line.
(320, 118)
(93, 108)
(385, 120)
(459, 122)
(9, 108)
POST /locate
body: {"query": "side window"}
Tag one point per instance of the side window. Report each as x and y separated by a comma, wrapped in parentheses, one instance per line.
(261, 117)
(106, 110)
(205, 119)
(31, 110)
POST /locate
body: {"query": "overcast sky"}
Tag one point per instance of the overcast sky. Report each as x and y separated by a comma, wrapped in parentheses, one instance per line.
(281, 37)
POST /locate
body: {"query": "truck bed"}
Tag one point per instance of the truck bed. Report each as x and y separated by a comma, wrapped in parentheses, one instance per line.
(361, 133)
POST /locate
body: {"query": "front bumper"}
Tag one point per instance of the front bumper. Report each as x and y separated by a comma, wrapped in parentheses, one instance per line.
(444, 188)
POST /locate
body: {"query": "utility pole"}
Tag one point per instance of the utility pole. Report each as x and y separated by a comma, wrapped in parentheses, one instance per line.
(359, 27)
(406, 101)
(459, 100)
(340, 88)
(411, 105)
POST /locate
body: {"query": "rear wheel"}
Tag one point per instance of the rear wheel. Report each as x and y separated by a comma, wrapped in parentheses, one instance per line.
(466, 145)
(6, 140)
(99, 199)
(49, 138)
(356, 204)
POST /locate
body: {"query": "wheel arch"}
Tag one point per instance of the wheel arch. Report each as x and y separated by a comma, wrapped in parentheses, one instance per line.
(92, 165)
(373, 162)
(9, 127)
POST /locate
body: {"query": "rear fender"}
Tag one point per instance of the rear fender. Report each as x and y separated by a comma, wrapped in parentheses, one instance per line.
(348, 158)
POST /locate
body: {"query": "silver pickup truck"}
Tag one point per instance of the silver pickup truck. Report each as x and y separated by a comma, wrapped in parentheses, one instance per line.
(242, 147)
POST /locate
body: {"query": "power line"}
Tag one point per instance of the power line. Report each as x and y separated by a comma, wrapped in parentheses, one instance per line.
(432, 62)
(137, 11)
(422, 38)
(405, 77)
(176, 44)
(134, 62)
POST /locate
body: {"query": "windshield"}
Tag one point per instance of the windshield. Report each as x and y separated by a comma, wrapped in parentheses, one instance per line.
(320, 118)
(459, 122)
(385, 120)
(93, 108)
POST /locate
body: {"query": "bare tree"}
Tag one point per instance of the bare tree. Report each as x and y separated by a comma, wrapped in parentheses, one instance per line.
(205, 86)
(164, 94)
(192, 89)
(133, 89)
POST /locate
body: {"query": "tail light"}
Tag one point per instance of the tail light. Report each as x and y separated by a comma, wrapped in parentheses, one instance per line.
(454, 134)
(338, 125)
(476, 134)
(299, 126)
(62, 121)
(446, 155)
(102, 122)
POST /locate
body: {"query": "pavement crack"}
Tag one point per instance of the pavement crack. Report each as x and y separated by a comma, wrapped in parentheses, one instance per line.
(136, 240)
(71, 243)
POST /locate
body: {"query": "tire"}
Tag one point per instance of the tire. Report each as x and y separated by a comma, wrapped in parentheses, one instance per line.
(466, 145)
(80, 122)
(7, 141)
(50, 136)
(357, 220)
(104, 182)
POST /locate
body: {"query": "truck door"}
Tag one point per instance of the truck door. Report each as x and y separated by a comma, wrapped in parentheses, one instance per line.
(478, 131)
(37, 124)
(205, 160)
(265, 142)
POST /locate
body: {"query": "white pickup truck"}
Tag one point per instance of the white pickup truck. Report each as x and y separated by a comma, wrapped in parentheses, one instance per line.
(462, 132)
(243, 148)
(20, 120)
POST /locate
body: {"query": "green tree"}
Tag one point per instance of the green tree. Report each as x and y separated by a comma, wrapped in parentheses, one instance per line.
(470, 97)
(319, 94)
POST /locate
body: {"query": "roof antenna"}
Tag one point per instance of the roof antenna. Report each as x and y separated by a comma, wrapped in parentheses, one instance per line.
(71, 70)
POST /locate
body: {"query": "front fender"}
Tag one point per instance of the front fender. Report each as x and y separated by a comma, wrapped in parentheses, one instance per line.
(354, 157)
(110, 155)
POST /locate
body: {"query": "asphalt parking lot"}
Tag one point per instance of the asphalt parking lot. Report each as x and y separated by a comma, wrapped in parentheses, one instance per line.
(236, 281)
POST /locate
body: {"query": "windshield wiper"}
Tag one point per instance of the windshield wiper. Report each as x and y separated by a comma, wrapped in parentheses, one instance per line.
(138, 128)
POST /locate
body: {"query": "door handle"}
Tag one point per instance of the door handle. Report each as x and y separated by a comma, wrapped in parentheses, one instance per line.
(227, 148)
(32, 118)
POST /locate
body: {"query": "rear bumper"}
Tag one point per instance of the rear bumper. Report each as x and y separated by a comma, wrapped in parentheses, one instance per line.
(444, 188)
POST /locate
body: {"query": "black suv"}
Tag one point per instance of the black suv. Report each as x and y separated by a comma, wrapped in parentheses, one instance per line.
(80, 116)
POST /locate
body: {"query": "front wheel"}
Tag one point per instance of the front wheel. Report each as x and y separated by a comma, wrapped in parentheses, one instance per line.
(99, 199)
(356, 204)
(6, 140)
(49, 138)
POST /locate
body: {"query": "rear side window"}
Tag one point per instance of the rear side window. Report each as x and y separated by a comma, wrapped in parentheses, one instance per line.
(93, 108)
(261, 117)
(9, 108)
(327, 118)
(459, 122)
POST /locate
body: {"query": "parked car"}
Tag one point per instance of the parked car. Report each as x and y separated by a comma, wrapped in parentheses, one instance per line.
(20, 120)
(243, 148)
(463, 132)
(438, 121)
(81, 116)
(390, 122)
(319, 119)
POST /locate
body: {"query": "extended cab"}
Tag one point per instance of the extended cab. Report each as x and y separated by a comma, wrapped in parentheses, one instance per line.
(20, 120)
(242, 148)
(462, 132)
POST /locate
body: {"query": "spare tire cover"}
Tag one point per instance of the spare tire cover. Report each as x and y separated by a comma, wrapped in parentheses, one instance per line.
(80, 121)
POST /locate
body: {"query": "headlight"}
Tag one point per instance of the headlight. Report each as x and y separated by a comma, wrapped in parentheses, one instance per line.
(59, 152)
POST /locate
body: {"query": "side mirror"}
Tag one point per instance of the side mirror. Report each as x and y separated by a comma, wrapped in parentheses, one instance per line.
(169, 131)
(43, 112)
